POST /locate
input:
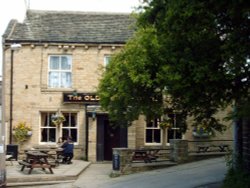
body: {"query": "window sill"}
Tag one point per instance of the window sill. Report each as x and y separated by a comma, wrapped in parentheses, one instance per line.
(153, 144)
(57, 90)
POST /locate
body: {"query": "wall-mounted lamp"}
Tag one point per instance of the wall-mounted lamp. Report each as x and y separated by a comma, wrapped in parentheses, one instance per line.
(94, 115)
(74, 93)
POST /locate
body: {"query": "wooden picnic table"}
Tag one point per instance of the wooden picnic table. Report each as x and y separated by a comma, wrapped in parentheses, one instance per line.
(146, 155)
(54, 154)
(222, 147)
(36, 159)
(205, 148)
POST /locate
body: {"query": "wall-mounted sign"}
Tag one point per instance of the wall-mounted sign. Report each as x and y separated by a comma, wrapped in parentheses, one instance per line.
(86, 98)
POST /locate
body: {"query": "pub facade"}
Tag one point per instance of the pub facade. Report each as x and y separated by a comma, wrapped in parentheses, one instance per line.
(56, 71)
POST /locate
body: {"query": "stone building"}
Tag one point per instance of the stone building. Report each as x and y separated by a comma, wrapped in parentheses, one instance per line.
(55, 72)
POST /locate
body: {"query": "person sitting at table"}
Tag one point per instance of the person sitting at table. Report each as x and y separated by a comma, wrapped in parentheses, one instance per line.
(60, 141)
(68, 151)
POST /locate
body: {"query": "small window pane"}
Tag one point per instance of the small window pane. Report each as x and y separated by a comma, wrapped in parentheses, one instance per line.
(150, 124)
(157, 136)
(54, 63)
(65, 64)
(106, 60)
(149, 136)
(54, 79)
(66, 79)
(48, 135)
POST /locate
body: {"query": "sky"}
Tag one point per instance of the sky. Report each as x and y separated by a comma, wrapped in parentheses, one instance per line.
(15, 9)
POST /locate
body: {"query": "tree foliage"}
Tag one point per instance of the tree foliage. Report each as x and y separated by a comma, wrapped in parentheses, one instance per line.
(130, 84)
(206, 47)
(195, 51)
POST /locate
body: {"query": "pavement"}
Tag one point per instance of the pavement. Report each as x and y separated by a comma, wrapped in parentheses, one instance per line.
(81, 174)
(64, 173)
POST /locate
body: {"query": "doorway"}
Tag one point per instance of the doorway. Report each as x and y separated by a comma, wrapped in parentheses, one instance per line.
(109, 136)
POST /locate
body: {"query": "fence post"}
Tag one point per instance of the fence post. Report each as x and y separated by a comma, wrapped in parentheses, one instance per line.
(121, 161)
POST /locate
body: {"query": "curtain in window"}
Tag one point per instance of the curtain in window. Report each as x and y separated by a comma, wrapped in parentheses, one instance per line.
(66, 79)
(60, 72)
(54, 79)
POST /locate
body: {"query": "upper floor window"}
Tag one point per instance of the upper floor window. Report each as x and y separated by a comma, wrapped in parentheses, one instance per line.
(106, 60)
(60, 72)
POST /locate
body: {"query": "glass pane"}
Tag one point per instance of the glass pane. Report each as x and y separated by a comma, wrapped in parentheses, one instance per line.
(65, 133)
(73, 120)
(150, 124)
(106, 60)
(53, 79)
(44, 120)
(73, 135)
(157, 136)
(149, 134)
(52, 135)
(65, 63)
(48, 135)
(54, 63)
(66, 79)
(44, 134)
(66, 123)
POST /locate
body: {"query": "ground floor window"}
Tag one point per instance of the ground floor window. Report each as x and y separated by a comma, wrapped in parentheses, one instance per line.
(51, 133)
(153, 132)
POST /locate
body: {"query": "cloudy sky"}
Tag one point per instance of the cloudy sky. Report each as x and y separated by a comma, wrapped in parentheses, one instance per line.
(15, 9)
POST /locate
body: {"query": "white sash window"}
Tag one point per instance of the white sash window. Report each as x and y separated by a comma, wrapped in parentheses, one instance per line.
(60, 67)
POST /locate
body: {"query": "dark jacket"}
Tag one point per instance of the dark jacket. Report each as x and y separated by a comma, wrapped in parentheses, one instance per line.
(68, 147)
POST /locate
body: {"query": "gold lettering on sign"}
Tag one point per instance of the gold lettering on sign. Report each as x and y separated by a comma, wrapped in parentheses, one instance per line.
(74, 98)
(81, 98)
(86, 97)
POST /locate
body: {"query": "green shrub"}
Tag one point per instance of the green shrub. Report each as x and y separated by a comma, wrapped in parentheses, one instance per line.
(236, 179)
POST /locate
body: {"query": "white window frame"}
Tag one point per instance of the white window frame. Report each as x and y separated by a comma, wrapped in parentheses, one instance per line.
(76, 127)
(106, 60)
(153, 128)
(60, 71)
(58, 130)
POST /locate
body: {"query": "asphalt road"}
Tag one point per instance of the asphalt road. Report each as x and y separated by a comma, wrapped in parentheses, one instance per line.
(201, 174)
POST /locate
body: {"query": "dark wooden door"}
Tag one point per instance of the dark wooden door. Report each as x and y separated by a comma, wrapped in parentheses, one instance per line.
(109, 136)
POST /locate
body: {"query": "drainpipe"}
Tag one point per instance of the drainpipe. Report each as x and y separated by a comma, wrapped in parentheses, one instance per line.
(11, 94)
(13, 47)
(86, 134)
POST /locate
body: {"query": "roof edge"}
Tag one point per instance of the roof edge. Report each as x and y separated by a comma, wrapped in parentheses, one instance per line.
(37, 11)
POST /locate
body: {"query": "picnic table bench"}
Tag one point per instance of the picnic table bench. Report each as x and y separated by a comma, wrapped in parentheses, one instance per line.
(205, 148)
(54, 154)
(146, 155)
(35, 159)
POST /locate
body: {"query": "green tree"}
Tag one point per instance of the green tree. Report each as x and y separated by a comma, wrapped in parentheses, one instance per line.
(205, 46)
(195, 51)
(130, 85)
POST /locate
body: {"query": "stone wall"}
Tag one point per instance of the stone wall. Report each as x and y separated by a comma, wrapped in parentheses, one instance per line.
(122, 158)
(179, 150)
(31, 94)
